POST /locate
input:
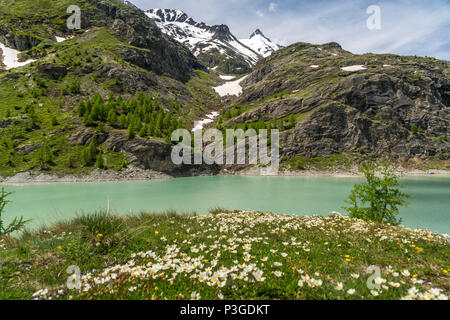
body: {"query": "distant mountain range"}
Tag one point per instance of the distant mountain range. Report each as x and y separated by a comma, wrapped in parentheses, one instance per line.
(116, 89)
(215, 46)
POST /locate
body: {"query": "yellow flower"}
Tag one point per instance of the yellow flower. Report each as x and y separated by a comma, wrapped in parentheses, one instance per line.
(59, 247)
(99, 235)
(156, 232)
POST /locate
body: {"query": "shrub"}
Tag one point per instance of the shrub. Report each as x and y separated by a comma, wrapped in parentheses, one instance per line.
(75, 87)
(100, 162)
(54, 120)
(101, 223)
(45, 158)
(17, 224)
(218, 210)
(131, 132)
(416, 129)
(379, 197)
(71, 161)
(89, 154)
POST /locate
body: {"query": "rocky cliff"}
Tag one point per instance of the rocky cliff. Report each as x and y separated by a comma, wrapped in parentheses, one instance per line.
(386, 106)
(118, 52)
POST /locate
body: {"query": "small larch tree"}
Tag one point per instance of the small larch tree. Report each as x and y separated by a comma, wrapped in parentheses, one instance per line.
(100, 162)
(17, 223)
(379, 198)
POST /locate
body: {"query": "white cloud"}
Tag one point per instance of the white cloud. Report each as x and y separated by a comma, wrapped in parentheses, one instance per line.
(259, 13)
(273, 6)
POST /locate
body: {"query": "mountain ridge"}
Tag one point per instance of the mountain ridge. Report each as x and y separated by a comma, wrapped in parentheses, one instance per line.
(110, 92)
(215, 46)
(331, 104)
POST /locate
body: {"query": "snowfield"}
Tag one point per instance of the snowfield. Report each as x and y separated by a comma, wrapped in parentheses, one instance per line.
(231, 88)
(11, 58)
(227, 77)
(354, 68)
(209, 118)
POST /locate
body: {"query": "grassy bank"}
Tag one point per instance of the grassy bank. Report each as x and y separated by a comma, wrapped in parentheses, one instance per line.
(231, 255)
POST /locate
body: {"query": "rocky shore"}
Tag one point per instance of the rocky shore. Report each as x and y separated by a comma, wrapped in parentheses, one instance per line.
(133, 173)
(128, 174)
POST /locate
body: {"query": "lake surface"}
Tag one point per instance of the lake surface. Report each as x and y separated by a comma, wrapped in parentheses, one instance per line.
(46, 203)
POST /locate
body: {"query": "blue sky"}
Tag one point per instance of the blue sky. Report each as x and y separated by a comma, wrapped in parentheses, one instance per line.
(408, 27)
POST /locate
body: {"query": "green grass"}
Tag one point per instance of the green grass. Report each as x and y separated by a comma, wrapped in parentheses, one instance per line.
(53, 102)
(38, 18)
(224, 255)
(203, 96)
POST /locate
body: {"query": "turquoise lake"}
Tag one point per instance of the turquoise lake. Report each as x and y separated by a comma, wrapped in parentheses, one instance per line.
(46, 203)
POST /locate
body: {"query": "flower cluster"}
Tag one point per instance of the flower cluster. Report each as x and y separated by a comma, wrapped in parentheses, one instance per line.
(243, 254)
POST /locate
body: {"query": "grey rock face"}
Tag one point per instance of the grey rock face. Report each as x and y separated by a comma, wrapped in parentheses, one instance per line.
(396, 107)
(154, 155)
(52, 71)
(152, 49)
(16, 40)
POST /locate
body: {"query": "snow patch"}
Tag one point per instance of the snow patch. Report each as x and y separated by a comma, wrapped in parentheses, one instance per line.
(227, 77)
(11, 58)
(232, 88)
(354, 68)
(386, 65)
(315, 66)
(60, 39)
(209, 118)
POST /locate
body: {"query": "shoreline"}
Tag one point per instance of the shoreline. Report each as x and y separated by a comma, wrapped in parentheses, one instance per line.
(129, 174)
(132, 173)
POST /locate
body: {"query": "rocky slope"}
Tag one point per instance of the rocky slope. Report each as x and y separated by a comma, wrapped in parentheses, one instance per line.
(161, 54)
(328, 101)
(76, 104)
(118, 52)
(214, 46)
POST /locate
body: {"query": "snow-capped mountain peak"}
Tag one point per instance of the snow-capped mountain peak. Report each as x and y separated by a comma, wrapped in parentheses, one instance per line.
(199, 37)
(259, 43)
(256, 33)
(214, 44)
(169, 15)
